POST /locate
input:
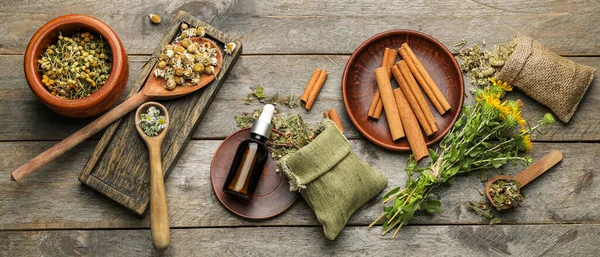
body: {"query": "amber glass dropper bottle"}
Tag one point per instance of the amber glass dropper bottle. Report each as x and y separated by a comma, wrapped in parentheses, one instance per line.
(250, 159)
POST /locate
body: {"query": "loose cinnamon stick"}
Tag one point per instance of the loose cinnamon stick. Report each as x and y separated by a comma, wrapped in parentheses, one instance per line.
(428, 80)
(389, 103)
(333, 116)
(309, 86)
(412, 101)
(411, 127)
(414, 88)
(388, 60)
(314, 92)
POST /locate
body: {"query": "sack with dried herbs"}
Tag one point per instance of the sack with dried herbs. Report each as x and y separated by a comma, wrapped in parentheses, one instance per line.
(332, 179)
(550, 79)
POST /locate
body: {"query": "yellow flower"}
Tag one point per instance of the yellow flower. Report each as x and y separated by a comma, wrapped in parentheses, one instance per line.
(501, 84)
(527, 142)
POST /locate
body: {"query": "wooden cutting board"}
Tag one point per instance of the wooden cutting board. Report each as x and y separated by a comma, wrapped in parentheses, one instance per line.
(119, 166)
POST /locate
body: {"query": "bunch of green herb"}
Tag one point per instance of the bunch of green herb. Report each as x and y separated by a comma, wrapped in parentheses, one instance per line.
(481, 64)
(152, 122)
(289, 132)
(505, 193)
(487, 135)
(76, 66)
(259, 94)
(484, 210)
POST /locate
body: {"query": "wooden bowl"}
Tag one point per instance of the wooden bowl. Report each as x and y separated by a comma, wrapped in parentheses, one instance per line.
(97, 102)
(359, 84)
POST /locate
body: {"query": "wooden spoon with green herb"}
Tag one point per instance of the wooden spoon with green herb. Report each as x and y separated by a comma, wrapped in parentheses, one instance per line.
(152, 123)
(153, 89)
(520, 180)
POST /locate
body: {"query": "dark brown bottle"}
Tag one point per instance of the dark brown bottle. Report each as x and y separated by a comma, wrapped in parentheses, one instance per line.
(250, 159)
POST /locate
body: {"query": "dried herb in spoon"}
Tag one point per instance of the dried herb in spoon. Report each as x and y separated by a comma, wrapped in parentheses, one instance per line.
(152, 122)
(505, 193)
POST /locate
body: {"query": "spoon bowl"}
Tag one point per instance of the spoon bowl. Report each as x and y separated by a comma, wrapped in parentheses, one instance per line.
(159, 216)
(526, 176)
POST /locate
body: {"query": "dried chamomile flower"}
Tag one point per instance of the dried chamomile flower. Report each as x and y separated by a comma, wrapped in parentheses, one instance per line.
(201, 31)
(154, 18)
(230, 47)
(152, 122)
(184, 26)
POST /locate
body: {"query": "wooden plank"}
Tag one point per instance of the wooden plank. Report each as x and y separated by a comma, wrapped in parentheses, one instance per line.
(118, 166)
(568, 27)
(53, 198)
(24, 115)
(532, 240)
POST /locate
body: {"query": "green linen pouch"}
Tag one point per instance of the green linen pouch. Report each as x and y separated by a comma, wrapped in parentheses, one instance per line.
(332, 179)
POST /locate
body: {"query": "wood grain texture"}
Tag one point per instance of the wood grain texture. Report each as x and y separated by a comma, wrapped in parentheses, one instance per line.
(118, 167)
(568, 27)
(53, 198)
(499, 240)
(25, 114)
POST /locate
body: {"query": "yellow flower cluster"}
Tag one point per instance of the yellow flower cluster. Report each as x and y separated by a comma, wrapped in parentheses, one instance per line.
(506, 108)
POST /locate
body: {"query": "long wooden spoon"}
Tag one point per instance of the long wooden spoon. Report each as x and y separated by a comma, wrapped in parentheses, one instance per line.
(528, 175)
(152, 90)
(159, 216)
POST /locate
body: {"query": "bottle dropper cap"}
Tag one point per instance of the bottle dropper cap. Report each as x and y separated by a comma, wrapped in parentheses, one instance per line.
(262, 126)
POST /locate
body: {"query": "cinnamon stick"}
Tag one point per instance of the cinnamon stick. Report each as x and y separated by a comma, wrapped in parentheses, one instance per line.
(389, 103)
(314, 92)
(411, 127)
(427, 78)
(333, 116)
(412, 101)
(414, 88)
(309, 86)
(388, 60)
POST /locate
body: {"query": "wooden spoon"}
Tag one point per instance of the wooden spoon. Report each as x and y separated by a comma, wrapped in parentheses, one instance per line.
(159, 216)
(527, 175)
(152, 90)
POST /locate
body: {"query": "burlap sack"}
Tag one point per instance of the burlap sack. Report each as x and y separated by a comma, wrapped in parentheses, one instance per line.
(550, 79)
(332, 179)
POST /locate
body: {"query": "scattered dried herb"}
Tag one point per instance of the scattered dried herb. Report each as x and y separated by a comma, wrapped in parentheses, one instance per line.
(485, 211)
(481, 64)
(505, 193)
(488, 135)
(289, 132)
(229, 48)
(258, 94)
(154, 18)
(152, 122)
(187, 61)
(76, 66)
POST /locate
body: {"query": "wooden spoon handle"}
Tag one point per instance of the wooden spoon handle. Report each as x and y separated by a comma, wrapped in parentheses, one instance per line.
(539, 167)
(159, 216)
(78, 137)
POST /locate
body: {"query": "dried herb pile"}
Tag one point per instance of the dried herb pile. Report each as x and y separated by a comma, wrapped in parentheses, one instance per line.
(505, 193)
(76, 66)
(488, 135)
(152, 122)
(481, 64)
(259, 94)
(289, 132)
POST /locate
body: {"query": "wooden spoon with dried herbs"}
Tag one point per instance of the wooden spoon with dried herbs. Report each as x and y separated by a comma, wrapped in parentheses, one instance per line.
(154, 89)
(504, 192)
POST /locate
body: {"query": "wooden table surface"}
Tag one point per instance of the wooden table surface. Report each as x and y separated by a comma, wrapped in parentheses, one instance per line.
(53, 214)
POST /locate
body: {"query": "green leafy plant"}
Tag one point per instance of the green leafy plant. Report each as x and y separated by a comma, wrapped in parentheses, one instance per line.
(487, 135)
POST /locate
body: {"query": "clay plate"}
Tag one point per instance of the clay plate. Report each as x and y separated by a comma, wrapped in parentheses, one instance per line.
(358, 84)
(272, 196)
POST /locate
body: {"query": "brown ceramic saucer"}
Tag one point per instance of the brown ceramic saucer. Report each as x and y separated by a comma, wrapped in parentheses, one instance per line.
(272, 196)
(358, 84)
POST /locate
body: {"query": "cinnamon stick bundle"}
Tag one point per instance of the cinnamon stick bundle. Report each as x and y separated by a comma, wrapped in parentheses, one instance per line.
(411, 127)
(333, 116)
(313, 88)
(389, 103)
(388, 60)
(412, 101)
(414, 88)
(425, 80)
